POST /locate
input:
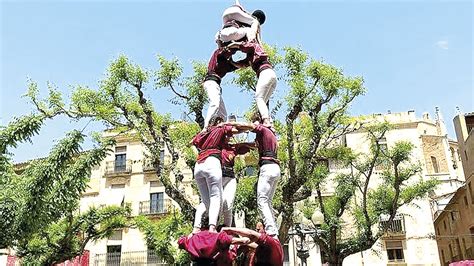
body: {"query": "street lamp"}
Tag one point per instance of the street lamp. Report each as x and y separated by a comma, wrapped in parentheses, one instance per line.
(302, 250)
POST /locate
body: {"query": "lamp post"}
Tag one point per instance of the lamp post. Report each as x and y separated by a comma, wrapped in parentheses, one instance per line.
(302, 250)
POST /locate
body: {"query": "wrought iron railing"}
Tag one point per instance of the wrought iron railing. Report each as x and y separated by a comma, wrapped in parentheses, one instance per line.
(128, 259)
(158, 207)
(397, 225)
(113, 167)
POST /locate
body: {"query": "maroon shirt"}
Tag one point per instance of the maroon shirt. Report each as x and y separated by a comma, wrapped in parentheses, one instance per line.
(211, 141)
(265, 139)
(269, 251)
(207, 245)
(230, 151)
(220, 63)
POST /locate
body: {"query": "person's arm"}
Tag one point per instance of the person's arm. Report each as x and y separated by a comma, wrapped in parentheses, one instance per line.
(242, 126)
(251, 234)
(243, 148)
(252, 245)
(241, 241)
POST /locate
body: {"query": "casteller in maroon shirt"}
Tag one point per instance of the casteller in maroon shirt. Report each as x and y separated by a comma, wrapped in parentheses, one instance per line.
(211, 141)
(229, 151)
(209, 245)
(266, 143)
(269, 251)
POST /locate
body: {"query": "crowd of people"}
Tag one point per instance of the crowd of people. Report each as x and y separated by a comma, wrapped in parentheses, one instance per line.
(211, 244)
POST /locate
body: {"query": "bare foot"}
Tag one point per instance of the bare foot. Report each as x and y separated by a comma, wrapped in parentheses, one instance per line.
(212, 228)
(196, 230)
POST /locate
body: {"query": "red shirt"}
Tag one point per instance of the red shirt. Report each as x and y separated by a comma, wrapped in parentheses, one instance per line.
(207, 245)
(229, 151)
(211, 141)
(265, 139)
(269, 251)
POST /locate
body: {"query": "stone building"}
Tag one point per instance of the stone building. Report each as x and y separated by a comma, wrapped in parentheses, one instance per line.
(455, 223)
(412, 241)
(126, 177)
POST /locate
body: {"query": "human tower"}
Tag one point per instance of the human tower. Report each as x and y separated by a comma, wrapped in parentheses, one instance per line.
(213, 172)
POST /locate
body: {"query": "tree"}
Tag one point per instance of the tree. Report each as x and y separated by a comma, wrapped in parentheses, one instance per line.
(362, 202)
(314, 114)
(38, 201)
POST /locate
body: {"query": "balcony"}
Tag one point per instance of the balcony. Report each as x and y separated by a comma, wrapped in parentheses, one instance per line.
(394, 228)
(148, 166)
(127, 258)
(115, 168)
(155, 207)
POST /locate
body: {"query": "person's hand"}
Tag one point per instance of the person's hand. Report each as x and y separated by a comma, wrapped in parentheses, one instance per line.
(234, 45)
(251, 35)
(245, 240)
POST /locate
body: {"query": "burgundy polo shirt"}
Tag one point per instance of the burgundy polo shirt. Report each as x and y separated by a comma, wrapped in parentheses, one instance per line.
(211, 141)
(269, 251)
(208, 245)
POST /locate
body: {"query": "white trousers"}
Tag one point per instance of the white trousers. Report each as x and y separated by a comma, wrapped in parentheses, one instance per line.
(266, 186)
(232, 34)
(265, 86)
(228, 196)
(216, 103)
(236, 13)
(208, 176)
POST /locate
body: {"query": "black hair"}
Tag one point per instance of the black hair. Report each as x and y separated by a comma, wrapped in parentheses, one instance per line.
(216, 120)
(256, 117)
(260, 15)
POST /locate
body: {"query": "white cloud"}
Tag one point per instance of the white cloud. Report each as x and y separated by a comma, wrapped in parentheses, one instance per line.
(443, 44)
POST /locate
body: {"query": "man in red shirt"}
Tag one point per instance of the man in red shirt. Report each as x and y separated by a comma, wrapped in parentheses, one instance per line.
(211, 248)
(267, 145)
(208, 171)
(229, 183)
(269, 251)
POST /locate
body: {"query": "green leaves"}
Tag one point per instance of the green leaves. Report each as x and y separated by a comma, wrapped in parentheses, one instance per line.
(160, 236)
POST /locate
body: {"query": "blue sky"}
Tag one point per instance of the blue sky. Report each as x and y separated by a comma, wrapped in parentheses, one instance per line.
(412, 54)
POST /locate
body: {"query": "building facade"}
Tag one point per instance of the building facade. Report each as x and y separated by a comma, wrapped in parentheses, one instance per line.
(125, 177)
(411, 240)
(455, 223)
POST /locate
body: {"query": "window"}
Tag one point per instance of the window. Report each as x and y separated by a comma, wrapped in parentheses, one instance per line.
(383, 144)
(458, 249)
(120, 158)
(435, 165)
(443, 258)
(156, 203)
(286, 255)
(451, 253)
(344, 140)
(162, 156)
(471, 192)
(394, 251)
(465, 154)
(453, 216)
(465, 201)
(113, 254)
(120, 162)
(444, 223)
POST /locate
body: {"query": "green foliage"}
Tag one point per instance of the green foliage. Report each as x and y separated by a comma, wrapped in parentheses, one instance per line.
(65, 239)
(161, 235)
(246, 201)
(38, 200)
